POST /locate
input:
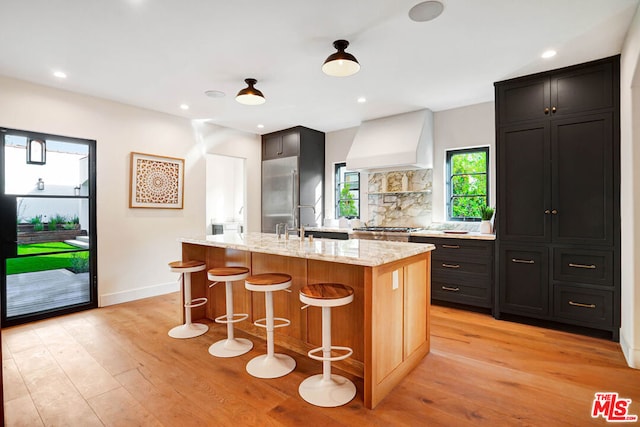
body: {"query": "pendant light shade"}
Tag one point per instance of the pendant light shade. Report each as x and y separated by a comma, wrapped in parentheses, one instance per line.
(250, 95)
(341, 63)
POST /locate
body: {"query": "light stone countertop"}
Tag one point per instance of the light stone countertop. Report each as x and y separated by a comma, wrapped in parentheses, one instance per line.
(423, 233)
(368, 253)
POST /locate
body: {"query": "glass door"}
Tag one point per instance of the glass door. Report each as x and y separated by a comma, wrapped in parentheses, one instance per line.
(47, 225)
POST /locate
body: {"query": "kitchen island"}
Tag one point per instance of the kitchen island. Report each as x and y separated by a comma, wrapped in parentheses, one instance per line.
(386, 325)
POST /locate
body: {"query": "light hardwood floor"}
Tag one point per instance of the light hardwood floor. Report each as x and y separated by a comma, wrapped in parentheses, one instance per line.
(117, 366)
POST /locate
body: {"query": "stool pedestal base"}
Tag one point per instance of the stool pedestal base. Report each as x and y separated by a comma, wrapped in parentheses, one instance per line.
(230, 347)
(188, 330)
(275, 366)
(328, 393)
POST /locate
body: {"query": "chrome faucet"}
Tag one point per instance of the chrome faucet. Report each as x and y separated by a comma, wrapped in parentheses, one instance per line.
(280, 228)
(301, 229)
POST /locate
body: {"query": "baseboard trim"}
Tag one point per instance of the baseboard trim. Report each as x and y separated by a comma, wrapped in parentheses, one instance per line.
(631, 354)
(138, 293)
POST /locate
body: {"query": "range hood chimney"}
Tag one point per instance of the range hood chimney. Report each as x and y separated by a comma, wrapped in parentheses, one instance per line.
(404, 141)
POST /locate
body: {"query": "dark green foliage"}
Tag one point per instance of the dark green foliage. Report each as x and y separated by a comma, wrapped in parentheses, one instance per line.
(468, 184)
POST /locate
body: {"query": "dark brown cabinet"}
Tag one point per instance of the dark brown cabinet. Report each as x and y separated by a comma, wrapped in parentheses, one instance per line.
(461, 270)
(568, 91)
(292, 178)
(281, 144)
(558, 215)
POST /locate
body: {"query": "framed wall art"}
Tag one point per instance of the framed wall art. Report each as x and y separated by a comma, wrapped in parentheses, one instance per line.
(156, 182)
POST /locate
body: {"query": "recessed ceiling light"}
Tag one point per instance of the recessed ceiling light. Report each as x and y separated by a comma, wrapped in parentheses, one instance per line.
(549, 53)
(260, 126)
(215, 94)
(426, 11)
(362, 100)
(60, 74)
(184, 106)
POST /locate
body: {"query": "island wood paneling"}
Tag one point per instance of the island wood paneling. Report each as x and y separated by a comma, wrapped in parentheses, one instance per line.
(416, 303)
(391, 311)
(285, 304)
(225, 257)
(347, 322)
(198, 279)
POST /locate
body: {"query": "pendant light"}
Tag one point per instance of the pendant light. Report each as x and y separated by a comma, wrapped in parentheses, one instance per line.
(341, 63)
(250, 95)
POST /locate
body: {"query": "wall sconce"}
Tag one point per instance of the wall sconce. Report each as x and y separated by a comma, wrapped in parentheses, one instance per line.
(40, 184)
(36, 152)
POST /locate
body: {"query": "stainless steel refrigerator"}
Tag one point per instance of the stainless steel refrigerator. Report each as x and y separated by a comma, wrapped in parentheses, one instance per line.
(280, 192)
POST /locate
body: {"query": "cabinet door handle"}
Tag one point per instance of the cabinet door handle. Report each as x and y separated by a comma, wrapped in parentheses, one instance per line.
(446, 288)
(553, 110)
(579, 304)
(451, 246)
(547, 211)
(591, 266)
(546, 110)
(522, 261)
(451, 265)
(555, 212)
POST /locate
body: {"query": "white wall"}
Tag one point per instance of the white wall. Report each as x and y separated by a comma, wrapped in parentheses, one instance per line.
(630, 192)
(134, 245)
(337, 145)
(465, 127)
(225, 190)
(214, 139)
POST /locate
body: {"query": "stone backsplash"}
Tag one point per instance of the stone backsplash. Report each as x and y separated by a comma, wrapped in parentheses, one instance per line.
(400, 198)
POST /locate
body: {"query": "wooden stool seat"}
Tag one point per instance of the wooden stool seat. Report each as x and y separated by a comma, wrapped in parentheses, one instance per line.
(227, 274)
(232, 346)
(272, 364)
(187, 266)
(326, 294)
(188, 329)
(327, 390)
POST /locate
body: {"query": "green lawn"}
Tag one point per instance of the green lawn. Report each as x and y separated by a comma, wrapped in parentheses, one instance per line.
(78, 260)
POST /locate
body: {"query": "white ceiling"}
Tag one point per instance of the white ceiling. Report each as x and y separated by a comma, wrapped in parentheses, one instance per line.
(158, 54)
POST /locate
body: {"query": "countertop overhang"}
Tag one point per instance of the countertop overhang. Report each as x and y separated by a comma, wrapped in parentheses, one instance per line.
(368, 253)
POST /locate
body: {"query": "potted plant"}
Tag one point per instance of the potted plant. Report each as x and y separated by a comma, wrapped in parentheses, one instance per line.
(486, 213)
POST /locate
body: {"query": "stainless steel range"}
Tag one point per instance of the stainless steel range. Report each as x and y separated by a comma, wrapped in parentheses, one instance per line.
(398, 234)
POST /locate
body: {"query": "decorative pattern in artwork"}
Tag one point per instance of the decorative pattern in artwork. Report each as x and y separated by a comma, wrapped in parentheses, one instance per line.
(156, 182)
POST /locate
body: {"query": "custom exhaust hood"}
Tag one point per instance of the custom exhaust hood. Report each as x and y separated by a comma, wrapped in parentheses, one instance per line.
(404, 141)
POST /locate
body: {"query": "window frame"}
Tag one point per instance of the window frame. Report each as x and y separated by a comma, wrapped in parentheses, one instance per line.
(449, 187)
(338, 185)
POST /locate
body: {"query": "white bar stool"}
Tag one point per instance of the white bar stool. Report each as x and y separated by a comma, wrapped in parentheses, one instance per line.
(326, 389)
(188, 330)
(270, 365)
(232, 346)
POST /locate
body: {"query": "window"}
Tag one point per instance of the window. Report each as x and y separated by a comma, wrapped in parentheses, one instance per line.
(347, 192)
(467, 183)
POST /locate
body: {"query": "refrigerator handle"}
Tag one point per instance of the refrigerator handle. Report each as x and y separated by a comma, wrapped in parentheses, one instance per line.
(293, 198)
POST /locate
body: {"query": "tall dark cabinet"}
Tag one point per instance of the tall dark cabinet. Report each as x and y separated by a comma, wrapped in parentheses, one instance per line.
(558, 201)
(292, 176)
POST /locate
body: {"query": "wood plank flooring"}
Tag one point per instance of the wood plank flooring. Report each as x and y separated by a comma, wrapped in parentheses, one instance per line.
(117, 366)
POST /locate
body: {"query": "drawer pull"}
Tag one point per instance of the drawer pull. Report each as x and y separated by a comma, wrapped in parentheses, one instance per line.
(522, 261)
(446, 288)
(579, 304)
(451, 246)
(591, 266)
(451, 265)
